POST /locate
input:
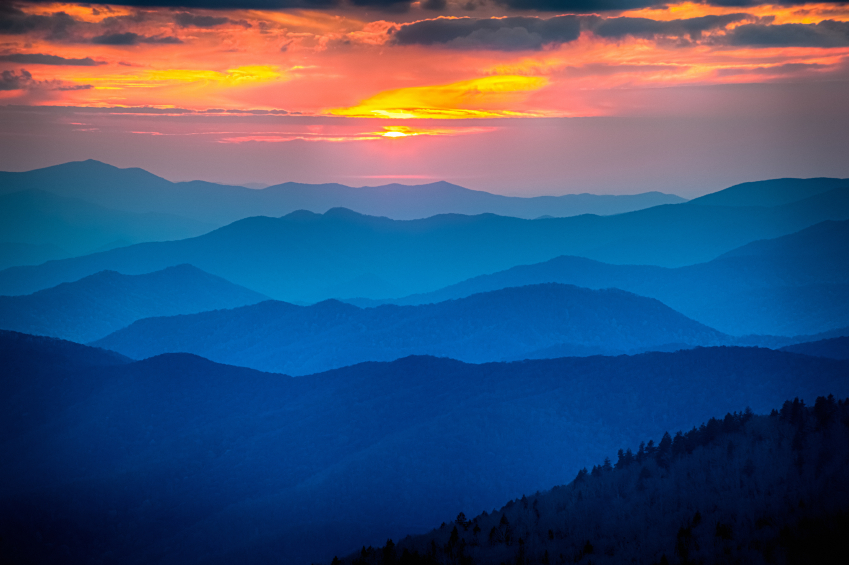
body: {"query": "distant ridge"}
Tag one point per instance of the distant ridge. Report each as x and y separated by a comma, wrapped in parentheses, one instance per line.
(791, 285)
(770, 193)
(306, 257)
(218, 204)
(513, 323)
(99, 304)
(77, 227)
(14, 254)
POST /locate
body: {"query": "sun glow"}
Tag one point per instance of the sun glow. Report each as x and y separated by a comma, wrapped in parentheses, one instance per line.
(487, 97)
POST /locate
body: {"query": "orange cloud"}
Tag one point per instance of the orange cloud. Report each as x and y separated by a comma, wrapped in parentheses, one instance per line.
(804, 14)
(404, 131)
(388, 132)
(487, 97)
(339, 63)
(152, 78)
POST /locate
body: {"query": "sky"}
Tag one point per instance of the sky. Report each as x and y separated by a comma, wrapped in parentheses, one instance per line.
(520, 97)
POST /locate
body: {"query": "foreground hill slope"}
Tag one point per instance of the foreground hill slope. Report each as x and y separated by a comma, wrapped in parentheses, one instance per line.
(78, 227)
(791, 285)
(139, 191)
(495, 326)
(194, 462)
(100, 304)
(304, 257)
(742, 489)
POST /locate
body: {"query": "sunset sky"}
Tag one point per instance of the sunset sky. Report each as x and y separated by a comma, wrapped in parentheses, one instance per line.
(510, 96)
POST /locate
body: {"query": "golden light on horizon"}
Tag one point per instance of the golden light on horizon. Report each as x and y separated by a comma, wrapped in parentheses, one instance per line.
(487, 97)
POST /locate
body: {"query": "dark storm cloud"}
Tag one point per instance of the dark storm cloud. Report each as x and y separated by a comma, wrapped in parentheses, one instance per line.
(185, 19)
(214, 4)
(502, 34)
(435, 5)
(75, 87)
(384, 5)
(646, 28)
(10, 80)
(587, 6)
(130, 38)
(743, 3)
(14, 21)
(828, 33)
(577, 6)
(786, 69)
(530, 33)
(42, 59)
(562, 6)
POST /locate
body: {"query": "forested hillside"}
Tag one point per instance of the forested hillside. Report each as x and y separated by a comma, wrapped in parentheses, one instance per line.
(739, 489)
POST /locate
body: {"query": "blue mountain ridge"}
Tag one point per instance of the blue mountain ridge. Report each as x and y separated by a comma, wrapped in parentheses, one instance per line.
(97, 305)
(791, 285)
(197, 462)
(136, 190)
(77, 227)
(305, 257)
(501, 325)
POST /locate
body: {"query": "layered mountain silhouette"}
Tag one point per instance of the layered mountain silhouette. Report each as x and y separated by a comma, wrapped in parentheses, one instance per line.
(305, 257)
(732, 490)
(137, 190)
(833, 348)
(513, 323)
(507, 344)
(15, 253)
(775, 192)
(792, 285)
(100, 304)
(195, 462)
(77, 227)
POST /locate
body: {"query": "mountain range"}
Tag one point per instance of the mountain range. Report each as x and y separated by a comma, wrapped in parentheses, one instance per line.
(791, 285)
(136, 190)
(76, 227)
(306, 257)
(767, 193)
(100, 304)
(431, 352)
(13, 254)
(195, 462)
(513, 323)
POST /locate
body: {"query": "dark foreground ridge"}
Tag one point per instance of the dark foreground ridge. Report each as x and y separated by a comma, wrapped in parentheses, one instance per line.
(741, 489)
(179, 460)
